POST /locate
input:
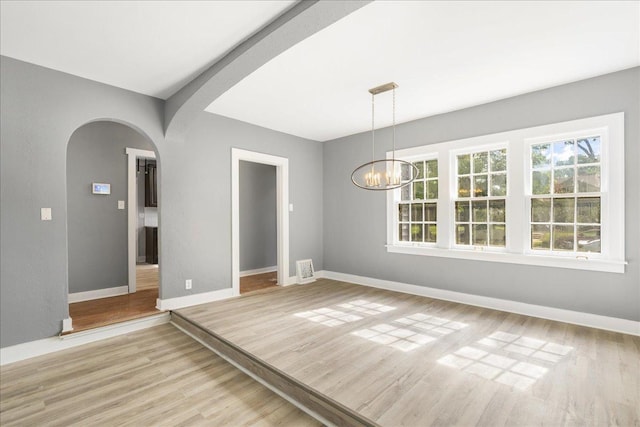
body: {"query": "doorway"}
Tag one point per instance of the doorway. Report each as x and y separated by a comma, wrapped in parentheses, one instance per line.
(101, 203)
(258, 225)
(281, 165)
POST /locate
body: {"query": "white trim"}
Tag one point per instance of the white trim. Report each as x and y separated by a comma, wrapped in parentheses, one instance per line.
(97, 294)
(16, 353)
(132, 212)
(257, 378)
(282, 190)
(517, 251)
(255, 271)
(67, 325)
(568, 316)
(195, 299)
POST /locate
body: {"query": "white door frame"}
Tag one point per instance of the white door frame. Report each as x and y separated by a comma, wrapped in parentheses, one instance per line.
(132, 213)
(282, 228)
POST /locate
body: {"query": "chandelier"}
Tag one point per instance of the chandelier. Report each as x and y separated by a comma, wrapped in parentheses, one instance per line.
(389, 173)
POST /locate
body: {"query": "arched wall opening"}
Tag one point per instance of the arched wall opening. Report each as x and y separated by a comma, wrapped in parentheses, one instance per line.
(106, 161)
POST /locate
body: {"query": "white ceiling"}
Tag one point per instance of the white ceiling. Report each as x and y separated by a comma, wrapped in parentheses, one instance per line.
(444, 55)
(150, 47)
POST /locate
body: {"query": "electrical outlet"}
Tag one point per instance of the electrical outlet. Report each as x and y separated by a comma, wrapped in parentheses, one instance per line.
(187, 284)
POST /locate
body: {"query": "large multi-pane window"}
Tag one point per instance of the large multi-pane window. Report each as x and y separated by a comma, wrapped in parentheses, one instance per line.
(566, 197)
(550, 195)
(418, 206)
(480, 206)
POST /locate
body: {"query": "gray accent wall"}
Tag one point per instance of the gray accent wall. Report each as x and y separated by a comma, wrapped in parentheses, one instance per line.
(355, 220)
(97, 229)
(258, 219)
(40, 109)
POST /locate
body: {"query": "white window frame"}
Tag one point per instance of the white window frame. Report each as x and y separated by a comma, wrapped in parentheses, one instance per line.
(518, 244)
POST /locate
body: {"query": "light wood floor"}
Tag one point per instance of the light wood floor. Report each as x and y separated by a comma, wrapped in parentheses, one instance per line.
(258, 282)
(155, 377)
(107, 311)
(403, 360)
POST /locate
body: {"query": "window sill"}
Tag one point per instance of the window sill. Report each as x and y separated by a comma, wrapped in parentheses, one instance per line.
(603, 265)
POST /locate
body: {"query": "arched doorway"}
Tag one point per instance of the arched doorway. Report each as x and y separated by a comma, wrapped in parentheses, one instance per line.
(103, 208)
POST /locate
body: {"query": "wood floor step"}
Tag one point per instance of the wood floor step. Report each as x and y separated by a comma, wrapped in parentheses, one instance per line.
(314, 402)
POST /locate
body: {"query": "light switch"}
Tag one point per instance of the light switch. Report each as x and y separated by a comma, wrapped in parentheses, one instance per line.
(120, 204)
(290, 207)
(45, 214)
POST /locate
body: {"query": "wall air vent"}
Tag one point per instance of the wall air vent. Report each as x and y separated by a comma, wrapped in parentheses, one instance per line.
(304, 271)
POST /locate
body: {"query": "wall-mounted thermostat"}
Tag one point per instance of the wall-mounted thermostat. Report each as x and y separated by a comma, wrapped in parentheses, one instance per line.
(101, 188)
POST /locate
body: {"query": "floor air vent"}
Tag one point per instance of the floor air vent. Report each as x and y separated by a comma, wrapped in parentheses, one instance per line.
(304, 271)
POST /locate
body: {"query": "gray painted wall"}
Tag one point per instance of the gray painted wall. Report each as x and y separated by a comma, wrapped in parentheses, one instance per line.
(40, 109)
(97, 229)
(355, 220)
(196, 201)
(258, 238)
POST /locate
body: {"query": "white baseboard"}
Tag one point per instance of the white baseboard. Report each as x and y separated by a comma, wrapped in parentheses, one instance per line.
(195, 299)
(574, 317)
(97, 294)
(259, 271)
(27, 350)
(67, 325)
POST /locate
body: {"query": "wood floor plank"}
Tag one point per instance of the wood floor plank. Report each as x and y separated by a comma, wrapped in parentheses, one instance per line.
(404, 360)
(149, 377)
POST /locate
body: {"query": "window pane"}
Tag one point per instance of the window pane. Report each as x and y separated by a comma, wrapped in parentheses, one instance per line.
(462, 211)
(588, 238)
(589, 179)
(403, 232)
(405, 192)
(588, 210)
(430, 212)
(564, 153)
(480, 234)
(496, 211)
(480, 163)
(416, 232)
(464, 187)
(540, 210)
(499, 184)
(589, 150)
(403, 212)
(432, 233)
(499, 160)
(497, 236)
(480, 186)
(462, 234)
(540, 155)
(432, 189)
(420, 166)
(432, 169)
(541, 182)
(406, 171)
(563, 237)
(418, 190)
(540, 236)
(464, 164)
(563, 210)
(563, 181)
(416, 212)
(479, 213)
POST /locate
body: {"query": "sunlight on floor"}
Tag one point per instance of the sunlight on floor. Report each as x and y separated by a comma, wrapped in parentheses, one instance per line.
(507, 359)
(330, 317)
(423, 330)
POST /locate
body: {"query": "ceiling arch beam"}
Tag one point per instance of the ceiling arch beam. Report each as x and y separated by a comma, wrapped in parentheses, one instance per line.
(304, 19)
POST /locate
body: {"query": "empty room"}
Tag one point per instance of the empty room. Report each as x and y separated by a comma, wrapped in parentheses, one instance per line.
(305, 213)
